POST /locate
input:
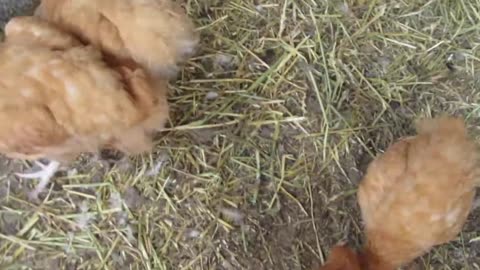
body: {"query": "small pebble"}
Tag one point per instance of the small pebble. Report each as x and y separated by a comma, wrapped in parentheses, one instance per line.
(234, 214)
(211, 95)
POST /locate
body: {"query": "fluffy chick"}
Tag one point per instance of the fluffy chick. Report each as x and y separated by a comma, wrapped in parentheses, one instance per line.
(59, 98)
(415, 196)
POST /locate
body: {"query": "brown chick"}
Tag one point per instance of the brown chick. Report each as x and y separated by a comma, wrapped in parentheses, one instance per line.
(157, 34)
(59, 98)
(415, 196)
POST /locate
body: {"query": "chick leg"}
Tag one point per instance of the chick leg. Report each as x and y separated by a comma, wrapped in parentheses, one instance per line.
(46, 172)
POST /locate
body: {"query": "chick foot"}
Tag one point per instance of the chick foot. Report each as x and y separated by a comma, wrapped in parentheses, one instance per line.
(45, 174)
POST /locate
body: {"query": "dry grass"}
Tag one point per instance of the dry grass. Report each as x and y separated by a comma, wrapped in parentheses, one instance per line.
(272, 126)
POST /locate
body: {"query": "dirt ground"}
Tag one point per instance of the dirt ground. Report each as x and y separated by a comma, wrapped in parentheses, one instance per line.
(273, 124)
(10, 8)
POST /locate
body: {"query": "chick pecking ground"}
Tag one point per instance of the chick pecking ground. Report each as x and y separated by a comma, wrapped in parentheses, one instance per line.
(272, 126)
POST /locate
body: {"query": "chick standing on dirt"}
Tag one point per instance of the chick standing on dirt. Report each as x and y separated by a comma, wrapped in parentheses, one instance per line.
(62, 98)
(415, 196)
(58, 98)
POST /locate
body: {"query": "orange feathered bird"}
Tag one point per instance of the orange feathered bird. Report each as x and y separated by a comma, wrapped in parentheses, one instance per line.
(415, 196)
(157, 34)
(61, 97)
